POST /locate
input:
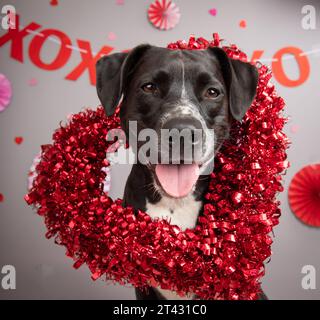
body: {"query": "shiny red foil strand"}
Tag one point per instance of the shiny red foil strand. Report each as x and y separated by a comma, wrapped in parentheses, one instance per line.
(223, 257)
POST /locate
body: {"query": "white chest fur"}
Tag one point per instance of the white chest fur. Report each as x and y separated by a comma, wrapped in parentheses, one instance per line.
(181, 212)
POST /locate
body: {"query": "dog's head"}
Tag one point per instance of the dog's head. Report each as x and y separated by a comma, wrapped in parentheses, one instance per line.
(194, 92)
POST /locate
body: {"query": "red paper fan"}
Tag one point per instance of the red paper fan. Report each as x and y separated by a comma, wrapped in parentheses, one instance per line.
(164, 14)
(304, 195)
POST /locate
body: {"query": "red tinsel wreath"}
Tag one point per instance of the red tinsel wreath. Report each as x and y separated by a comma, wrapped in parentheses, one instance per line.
(223, 257)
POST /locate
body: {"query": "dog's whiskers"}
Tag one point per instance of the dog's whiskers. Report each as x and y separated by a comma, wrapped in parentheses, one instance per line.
(151, 187)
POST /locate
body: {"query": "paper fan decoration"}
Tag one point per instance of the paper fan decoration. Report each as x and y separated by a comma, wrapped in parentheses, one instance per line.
(304, 195)
(5, 92)
(164, 14)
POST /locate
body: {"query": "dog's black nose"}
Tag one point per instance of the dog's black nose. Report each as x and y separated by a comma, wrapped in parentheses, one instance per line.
(182, 138)
(190, 126)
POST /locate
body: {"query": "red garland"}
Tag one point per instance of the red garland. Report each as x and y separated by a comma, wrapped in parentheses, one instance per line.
(223, 257)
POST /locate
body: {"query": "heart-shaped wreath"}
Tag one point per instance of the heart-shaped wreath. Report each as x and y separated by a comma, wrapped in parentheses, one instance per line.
(222, 257)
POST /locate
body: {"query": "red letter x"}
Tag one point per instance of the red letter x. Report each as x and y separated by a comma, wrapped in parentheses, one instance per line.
(88, 61)
(17, 36)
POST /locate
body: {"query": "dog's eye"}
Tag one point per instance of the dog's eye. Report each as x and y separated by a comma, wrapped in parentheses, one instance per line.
(149, 87)
(212, 93)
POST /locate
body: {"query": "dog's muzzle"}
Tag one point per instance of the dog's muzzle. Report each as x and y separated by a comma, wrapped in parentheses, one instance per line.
(182, 141)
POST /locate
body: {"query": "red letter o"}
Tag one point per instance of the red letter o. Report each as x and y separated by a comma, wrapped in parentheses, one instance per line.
(303, 65)
(62, 56)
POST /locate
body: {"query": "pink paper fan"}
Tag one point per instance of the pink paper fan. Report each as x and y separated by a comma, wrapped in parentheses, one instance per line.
(5, 92)
(164, 14)
(304, 195)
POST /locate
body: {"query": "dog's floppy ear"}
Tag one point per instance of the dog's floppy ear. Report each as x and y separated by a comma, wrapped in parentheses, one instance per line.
(241, 79)
(112, 74)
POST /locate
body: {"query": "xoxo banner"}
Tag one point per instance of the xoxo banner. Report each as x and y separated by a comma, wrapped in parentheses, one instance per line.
(15, 39)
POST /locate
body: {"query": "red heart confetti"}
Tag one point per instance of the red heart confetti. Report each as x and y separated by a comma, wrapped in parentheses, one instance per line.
(243, 24)
(112, 36)
(32, 82)
(1, 197)
(294, 128)
(54, 2)
(213, 12)
(18, 140)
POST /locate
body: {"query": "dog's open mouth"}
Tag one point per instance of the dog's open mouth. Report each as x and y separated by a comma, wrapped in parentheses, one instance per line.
(177, 180)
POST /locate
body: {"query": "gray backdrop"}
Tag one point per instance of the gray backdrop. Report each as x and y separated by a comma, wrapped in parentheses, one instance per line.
(43, 271)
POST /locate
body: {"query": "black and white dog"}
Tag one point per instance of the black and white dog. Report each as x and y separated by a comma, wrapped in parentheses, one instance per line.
(179, 89)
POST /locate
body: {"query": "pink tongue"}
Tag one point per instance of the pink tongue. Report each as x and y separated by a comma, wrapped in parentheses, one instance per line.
(177, 180)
